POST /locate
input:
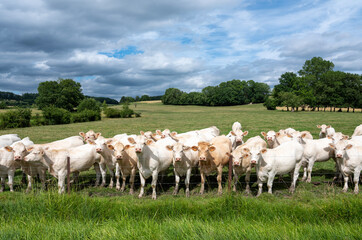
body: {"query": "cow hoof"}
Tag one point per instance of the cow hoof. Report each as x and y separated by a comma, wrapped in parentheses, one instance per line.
(131, 192)
(140, 196)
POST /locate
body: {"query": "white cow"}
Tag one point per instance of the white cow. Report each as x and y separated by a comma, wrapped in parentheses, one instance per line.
(349, 157)
(126, 159)
(81, 159)
(106, 159)
(8, 139)
(325, 130)
(236, 135)
(153, 158)
(283, 159)
(90, 135)
(7, 167)
(241, 160)
(275, 139)
(316, 150)
(183, 161)
(357, 131)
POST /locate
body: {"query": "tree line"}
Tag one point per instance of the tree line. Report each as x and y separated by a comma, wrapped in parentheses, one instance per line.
(234, 92)
(317, 86)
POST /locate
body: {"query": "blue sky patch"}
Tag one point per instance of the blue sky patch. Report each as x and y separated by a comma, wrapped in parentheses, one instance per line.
(121, 53)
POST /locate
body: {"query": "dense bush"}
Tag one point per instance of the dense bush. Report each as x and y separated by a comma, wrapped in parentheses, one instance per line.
(112, 112)
(53, 115)
(89, 104)
(270, 103)
(15, 118)
(86, 116)
(37, 120)
(126, 112)
(3, 105)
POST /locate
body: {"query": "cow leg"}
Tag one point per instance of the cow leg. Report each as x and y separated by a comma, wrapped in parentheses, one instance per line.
(187, 182)
(260, 188)
(61, 181)
(154, 184)
(98, 173)
(219, 178)
(295, 176)
(270, 183)
(357, 173)
(247, 180)
(11, 180)
(103, 169)
(118, 185)
(177, 180)
(111, 172)
(30, 179)
(143, 182)
(75, 178)
(236, 178)
(131, 179)
(202, 182)
(310, 168)
(124, 178)
(2, 184)
(42, 179)
(345, 187)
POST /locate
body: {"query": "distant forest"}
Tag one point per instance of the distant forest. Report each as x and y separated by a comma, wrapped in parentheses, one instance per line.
(28, 99)
(234, 92)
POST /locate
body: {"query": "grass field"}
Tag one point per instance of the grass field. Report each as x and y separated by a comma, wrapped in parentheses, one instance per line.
(316, 211)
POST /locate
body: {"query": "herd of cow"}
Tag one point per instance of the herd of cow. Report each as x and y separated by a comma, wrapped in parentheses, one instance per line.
(150, 153)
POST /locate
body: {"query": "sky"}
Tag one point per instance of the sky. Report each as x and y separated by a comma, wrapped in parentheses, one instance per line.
(131, 48)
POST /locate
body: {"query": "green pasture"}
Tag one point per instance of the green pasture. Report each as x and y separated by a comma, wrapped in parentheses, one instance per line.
(316, 211)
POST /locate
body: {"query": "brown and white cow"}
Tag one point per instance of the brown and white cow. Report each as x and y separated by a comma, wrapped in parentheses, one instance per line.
(212, 157)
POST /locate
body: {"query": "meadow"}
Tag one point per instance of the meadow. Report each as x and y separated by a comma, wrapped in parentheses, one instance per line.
(318, 210)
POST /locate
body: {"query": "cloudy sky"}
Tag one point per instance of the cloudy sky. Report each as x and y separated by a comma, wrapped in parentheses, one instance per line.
(135, 47)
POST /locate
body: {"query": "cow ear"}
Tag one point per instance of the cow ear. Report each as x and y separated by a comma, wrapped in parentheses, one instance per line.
(228, 154)
(127, 147)
(263, 134)
(131, 140)
(290, 136)
(277, 134)
(245, 133)
(318, 126)
(142, 133)
(329, 137)
(246, 155)
(98, 134)
(303, 135)
(264, 150)
(195, 148)
(91, 142)
(246, 150)
(232, 133)
(345, 137)
(110, 146)
(349, 146)
(185, 148)
(173, 134)
(46, 148)
(328, 126)
(169, 147)
(149, 142)
(212, 148)
(109, 141)
(8, 148)
(29, 149)
(158, 132)
(82, 134)
(332, 146)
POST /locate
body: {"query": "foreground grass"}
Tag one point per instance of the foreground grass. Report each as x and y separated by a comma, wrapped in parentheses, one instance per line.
(50, 216)
(315, 211)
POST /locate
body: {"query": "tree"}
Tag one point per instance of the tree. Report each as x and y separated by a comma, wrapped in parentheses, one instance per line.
(172, 96)
(64, 93)
(316, 67)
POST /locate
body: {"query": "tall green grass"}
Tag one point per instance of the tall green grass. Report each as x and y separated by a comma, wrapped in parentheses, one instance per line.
(48, 215)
